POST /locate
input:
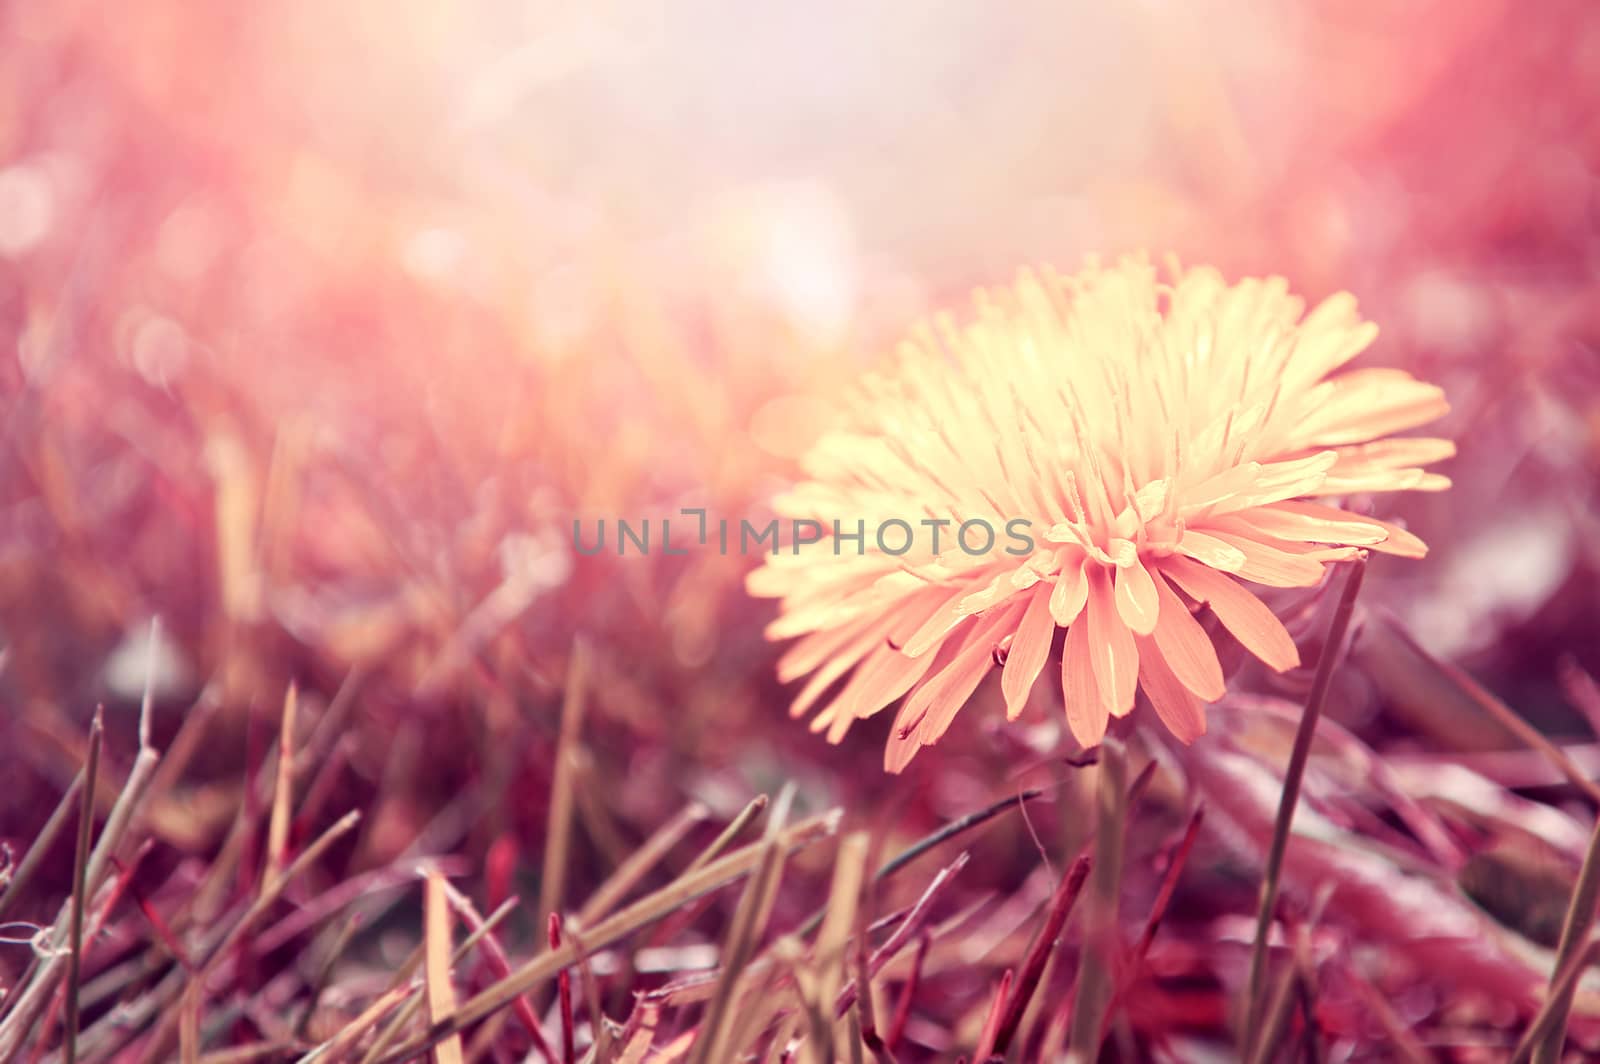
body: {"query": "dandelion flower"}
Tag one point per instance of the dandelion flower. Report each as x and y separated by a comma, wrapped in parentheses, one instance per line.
(1145, 445)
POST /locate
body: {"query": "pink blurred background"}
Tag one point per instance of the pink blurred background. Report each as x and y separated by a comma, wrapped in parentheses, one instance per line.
(485, 266)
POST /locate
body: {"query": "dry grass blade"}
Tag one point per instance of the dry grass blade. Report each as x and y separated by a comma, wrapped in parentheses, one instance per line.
(80, 874)
(918, 916)
(246, 1054)
(601, 1049)
(1579, 919)
(1169, 882)
(189, 1025)
(305, 859)
(639, 862)
(932, 840)
(1276, 1018)
(1255, 989)
(486, 1035)
(1402, 1042)
(760, 1003)
(258, 908)
(752, 811)
(911, 923)
(833, 940)
(1287, 991)
(749, 920)
(348, 1035)
(208, 900)
(407, 970)
(1305, 965)
(844, 895)
(1158, 909)
(1039, 953)
(501, 967)
(640, 1034)
(46, 838)
(1100, 921)
(866, 1009)
(1552, 1016)
(641, 913)
(908, 994)
(319, 984)
(147, 696)
(24, 1004)
(1576, 927)
(283, 785)
(991, 1022)
(558, 830)
(569, 1053)
(778, 1048)
(1582, 691)
(725, 838)
(853, 1038)
(757, 1009)
(436, 945)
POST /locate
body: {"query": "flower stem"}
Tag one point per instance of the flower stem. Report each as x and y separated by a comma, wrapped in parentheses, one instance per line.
(1255, 993)
(1096, 974)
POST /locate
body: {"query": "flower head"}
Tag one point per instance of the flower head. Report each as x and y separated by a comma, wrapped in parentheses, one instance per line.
(1143, 448)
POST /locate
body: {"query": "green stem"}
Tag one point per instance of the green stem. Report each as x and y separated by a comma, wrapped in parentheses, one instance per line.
(1096, 971)
(1255, 993)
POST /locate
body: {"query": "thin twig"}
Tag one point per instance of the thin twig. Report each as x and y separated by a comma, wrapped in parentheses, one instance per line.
(927, 842)
(952, 829)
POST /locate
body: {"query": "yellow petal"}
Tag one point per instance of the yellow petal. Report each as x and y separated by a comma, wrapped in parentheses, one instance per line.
(1240, 612)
